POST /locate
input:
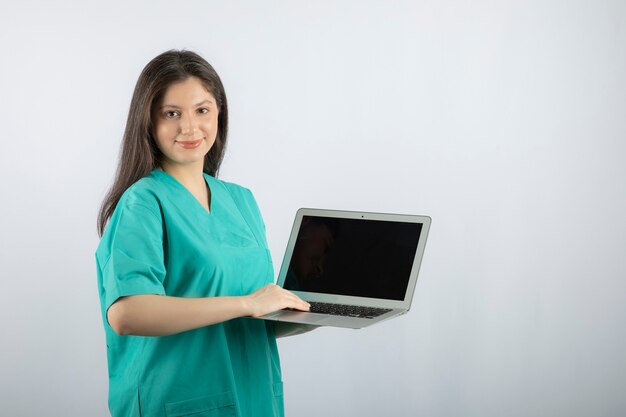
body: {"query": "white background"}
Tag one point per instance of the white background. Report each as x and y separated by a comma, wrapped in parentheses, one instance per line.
(502, 120)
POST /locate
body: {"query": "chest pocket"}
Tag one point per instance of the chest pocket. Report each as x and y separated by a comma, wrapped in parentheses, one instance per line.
(249, 210)
(244, 201)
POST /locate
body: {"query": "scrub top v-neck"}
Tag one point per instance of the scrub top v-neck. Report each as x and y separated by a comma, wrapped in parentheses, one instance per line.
(161, 240)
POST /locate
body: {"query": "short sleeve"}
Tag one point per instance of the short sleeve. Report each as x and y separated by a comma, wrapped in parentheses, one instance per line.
(130, 255)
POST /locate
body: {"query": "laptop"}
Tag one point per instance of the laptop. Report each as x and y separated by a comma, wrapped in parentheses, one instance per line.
(354, 268)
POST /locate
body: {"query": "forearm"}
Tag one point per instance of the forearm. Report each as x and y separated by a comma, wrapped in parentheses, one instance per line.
(157, 315)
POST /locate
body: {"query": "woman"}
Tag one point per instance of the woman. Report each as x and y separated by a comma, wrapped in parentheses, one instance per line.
(183, 260)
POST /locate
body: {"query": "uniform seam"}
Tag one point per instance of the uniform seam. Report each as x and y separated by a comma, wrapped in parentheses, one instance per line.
(149, 210)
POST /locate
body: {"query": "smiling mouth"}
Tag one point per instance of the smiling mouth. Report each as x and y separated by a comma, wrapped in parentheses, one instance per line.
(189, 144)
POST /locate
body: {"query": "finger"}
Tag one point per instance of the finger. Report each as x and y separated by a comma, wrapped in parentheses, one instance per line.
(302, 302)
(301, 305)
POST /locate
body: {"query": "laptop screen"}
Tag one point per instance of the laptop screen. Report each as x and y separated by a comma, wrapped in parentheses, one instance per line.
(353, 257)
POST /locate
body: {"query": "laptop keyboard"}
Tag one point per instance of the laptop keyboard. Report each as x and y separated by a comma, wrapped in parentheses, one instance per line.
(347, 310)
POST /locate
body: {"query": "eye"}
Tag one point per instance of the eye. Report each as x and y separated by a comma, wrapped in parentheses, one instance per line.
(203, 110)
(171, 114)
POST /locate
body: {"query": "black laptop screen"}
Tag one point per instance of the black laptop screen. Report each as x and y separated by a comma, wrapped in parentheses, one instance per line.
(353, 257)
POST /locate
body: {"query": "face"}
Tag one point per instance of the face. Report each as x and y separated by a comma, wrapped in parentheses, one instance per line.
(185, 124)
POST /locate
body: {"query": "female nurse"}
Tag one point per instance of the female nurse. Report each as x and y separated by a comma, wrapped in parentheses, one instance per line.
(183, 261)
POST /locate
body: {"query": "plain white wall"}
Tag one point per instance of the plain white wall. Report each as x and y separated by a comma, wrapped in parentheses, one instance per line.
(504, 121)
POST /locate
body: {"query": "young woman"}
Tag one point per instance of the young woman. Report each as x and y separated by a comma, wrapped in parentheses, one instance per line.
(183, 260)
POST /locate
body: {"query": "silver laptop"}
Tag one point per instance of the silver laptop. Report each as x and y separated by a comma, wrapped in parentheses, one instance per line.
(354, 268)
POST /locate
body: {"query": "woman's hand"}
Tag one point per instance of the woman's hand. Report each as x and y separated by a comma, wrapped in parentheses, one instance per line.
(160, 315)
(272, 298)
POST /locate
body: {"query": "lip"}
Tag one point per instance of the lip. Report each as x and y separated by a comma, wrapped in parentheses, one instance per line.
(189, 144)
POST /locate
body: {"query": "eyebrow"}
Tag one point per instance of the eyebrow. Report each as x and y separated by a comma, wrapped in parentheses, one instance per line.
(206, 101)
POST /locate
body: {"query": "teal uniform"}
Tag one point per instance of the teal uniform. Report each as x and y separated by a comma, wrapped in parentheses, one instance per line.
(160, 240)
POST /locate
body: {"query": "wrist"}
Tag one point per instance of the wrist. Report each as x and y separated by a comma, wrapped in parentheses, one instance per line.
(245, 305)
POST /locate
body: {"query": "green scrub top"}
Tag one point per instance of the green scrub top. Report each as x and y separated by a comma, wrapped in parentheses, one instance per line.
(160, 240)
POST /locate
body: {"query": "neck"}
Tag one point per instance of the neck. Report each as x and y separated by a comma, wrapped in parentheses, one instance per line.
(190, 175)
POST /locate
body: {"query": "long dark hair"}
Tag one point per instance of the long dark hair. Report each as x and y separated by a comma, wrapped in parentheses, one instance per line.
(140, 154)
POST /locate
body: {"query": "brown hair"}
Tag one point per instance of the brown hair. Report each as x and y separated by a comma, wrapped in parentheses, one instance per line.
(140, 154)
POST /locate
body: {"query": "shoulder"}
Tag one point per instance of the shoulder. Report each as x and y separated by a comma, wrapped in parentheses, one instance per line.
(142, 200)
(138, 213)
(147, 192)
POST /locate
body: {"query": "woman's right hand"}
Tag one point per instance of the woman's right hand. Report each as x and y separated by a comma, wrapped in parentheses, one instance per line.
(272, 298)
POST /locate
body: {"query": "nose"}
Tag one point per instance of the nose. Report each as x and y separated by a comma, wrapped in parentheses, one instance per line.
(187, 125)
